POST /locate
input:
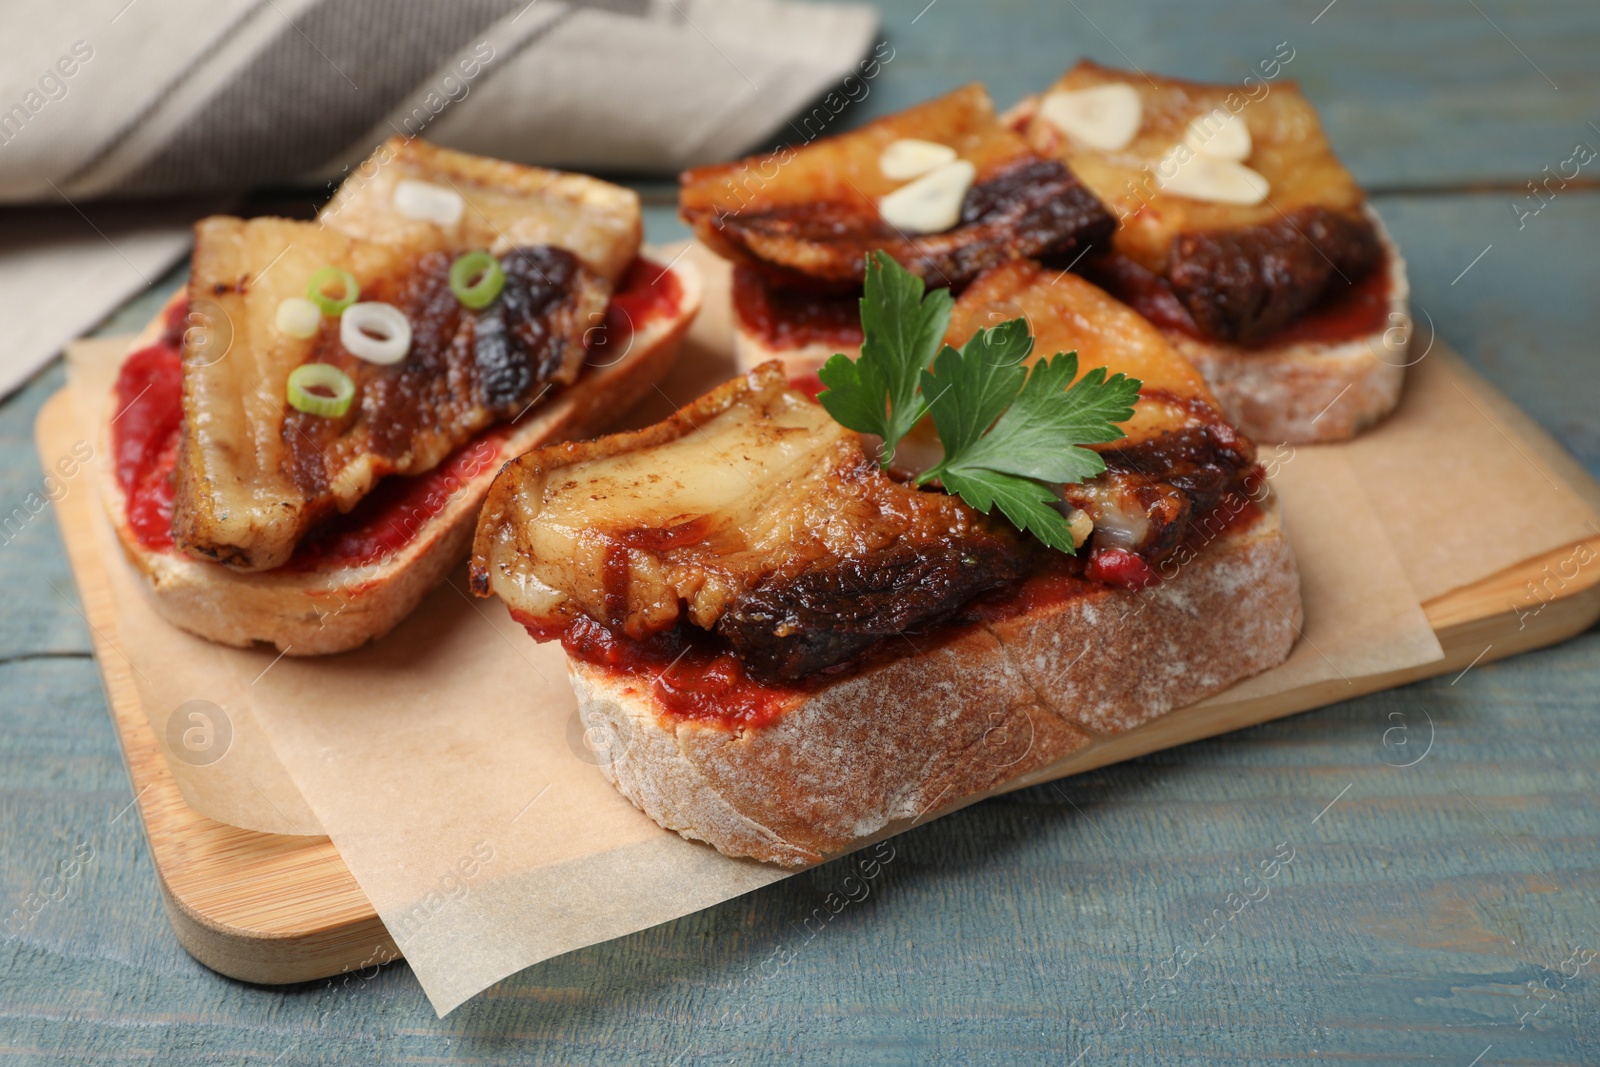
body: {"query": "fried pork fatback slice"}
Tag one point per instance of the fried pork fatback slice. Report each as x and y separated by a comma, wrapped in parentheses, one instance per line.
(1241, 270)
(1179, 455)
(253, 474)
(1065, 313)
(810, 215)
(506, 206)
(750, 512)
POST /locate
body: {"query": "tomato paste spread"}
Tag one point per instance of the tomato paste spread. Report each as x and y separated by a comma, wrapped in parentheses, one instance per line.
(646, 291)
(144, 430)
(794, 318)
(690, 673)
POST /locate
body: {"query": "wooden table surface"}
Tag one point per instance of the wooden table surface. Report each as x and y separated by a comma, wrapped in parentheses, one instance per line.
(1446, 912)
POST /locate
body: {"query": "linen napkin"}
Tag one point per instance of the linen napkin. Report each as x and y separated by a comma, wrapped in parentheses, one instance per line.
(142, 98)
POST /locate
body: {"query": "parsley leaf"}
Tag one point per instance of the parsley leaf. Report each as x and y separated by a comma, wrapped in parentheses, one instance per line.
(1029, 505)
(1009, 433)
(902, 329)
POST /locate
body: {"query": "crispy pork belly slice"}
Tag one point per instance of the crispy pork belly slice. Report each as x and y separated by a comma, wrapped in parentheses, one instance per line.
(811, 214)
(751, 513)
(253, 474)
(506, 206)
(1065, 313)
(1180, 455)
(1241, 271)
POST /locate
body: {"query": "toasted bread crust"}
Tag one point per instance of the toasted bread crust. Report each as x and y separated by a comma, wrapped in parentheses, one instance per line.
(334, 609)
(921, 732)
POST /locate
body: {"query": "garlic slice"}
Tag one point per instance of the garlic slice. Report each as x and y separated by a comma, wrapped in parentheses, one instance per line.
(1221, 181)
(1220, 135)
(932, 203)
(428, 202)
(1105, 117)
(1080, 525)
(910, 158)
(298, 317)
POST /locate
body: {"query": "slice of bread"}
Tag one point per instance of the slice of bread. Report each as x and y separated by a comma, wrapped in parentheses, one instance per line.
(336, 608)
(915, 734)
(795, 767)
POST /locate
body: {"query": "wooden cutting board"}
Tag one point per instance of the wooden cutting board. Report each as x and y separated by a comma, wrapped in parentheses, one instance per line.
(276, 909)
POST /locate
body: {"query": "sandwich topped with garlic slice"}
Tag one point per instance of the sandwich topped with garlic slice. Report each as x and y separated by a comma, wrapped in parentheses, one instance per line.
(1242, 236)
(795, 620)
(944, 188)
(302, 438)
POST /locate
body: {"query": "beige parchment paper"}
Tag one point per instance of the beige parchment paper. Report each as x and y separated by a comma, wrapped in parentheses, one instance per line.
(448, 764)
(235, 776)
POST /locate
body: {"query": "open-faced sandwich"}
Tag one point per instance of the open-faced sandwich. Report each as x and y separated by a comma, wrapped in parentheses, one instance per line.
(799, 619)
(1243, 238)
(944, 188)
(303, 438)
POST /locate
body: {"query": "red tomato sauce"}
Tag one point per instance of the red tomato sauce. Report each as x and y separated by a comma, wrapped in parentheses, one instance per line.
(809, 384)
(792, 318)
(146, 429)
(1346, 313)
(386, 519)
(646, 291)
(691, 674)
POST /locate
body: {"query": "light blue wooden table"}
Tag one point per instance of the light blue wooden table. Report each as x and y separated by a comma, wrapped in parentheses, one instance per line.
(1446, 913)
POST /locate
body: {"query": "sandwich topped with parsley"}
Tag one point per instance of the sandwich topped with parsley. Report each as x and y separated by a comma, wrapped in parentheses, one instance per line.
(797, 619)
(1243, 237)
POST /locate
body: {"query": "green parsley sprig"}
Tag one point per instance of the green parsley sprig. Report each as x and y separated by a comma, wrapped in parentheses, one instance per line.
(1010, 434)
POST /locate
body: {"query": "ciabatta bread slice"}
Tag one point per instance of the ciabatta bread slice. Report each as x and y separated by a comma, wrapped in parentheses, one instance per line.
(925, 730)
(336, 608)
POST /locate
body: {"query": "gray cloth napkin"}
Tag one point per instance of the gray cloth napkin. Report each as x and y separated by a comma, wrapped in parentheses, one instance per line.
(133, 98)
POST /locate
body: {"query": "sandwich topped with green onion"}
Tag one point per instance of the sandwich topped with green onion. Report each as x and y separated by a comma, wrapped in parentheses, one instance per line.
(304, 438)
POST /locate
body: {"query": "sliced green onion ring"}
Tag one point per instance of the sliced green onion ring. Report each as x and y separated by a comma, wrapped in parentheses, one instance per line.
(482, 266)
(308, 376)
(316, 290)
